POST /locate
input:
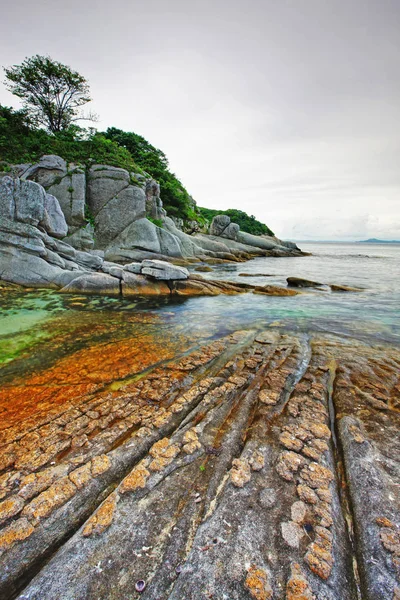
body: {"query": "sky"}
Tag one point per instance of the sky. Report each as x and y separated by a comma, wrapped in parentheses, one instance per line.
(287, 109)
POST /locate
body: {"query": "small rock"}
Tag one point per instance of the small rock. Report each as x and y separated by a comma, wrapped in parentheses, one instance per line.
(240, 472)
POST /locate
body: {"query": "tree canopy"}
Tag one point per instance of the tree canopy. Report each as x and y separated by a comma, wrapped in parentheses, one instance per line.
(246, 222)
(52, 93)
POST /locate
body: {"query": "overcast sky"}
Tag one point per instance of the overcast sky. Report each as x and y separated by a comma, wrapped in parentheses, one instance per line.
(287, 109)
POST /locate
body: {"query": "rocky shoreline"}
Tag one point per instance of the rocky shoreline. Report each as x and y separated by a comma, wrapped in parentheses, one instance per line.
(258, 465)
(46, 240)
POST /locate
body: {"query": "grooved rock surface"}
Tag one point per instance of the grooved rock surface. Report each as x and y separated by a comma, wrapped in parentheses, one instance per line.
(257, 465)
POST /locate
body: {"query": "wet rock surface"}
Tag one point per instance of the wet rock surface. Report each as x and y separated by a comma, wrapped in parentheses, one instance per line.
(257, 465)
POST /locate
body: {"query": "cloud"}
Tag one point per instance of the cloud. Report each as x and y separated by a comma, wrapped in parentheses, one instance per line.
(289, 110)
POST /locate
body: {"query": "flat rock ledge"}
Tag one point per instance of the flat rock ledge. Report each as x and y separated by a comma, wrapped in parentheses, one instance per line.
(259, 465)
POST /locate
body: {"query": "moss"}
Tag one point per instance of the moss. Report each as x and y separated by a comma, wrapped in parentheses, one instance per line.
(157, 222)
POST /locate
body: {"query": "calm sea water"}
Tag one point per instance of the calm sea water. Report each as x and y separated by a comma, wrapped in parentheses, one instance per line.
(373, 314)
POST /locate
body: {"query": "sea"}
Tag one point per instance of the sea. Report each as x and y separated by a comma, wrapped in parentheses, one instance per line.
(371, 315)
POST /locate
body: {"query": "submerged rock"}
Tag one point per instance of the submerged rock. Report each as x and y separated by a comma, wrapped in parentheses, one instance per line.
(344, 288)
(275, 290)
(299, 282)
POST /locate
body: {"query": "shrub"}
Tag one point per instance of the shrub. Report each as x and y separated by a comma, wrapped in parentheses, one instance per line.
(247, 223)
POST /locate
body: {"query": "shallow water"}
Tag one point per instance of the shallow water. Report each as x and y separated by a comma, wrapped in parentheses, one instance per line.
(29, 320)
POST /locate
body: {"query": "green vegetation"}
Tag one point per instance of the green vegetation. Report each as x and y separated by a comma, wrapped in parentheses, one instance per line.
(21, 142)
(176, 200)
(246, 222)
(157, 222)
(52, 93)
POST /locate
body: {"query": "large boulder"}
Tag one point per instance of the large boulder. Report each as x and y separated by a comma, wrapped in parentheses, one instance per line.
(21, 200)
(231, 232)
(258, 241)
(219, 224)
(302, 283)
(138, 285)
(94, 283)
(154, 206)
(23, 236)
(70, 191)
(144, 235)
(128, 206)
(27, 269)
(54, 221)
(163, 270)
(66, 182)
(82, 239)
(49, 168)
(105, 183)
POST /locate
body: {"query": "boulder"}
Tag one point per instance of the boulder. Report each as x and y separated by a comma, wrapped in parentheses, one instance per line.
(89, 261)
(54, 221)
(219, 224)
(344, 288)
(45, 172)
(82, 239)
(113, 269)
(133, 267)
(259, 242)
(119, 212)
(63, 249)
(21, 200)
(70, 191)
(27, 269)
(144, 235)
(231, 231)
(300, 282)
(163, 270)
(105, 183)
(138, 285)
(275, 290)
(187, 242)
(23, 236)
(93, 283)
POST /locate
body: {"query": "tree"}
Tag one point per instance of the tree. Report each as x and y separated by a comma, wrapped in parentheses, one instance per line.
(52, 93)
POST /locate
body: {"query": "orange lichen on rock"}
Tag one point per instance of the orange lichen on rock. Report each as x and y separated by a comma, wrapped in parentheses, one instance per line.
(317, 565)
(44, 504)
(163, 453)
(10, 507)
(191, 441)
(316, 475)
(257, 583)
(240, 473)
(100, 464)
(136, 479)
(102, 518)
(298, 587)
(16, 532)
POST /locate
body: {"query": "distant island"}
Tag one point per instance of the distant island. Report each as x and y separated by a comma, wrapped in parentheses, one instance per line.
(376, 241)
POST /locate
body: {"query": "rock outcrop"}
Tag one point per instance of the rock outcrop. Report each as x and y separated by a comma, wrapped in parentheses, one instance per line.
(118, 204)
(258, 465)
(46, 239)
(31, 256)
